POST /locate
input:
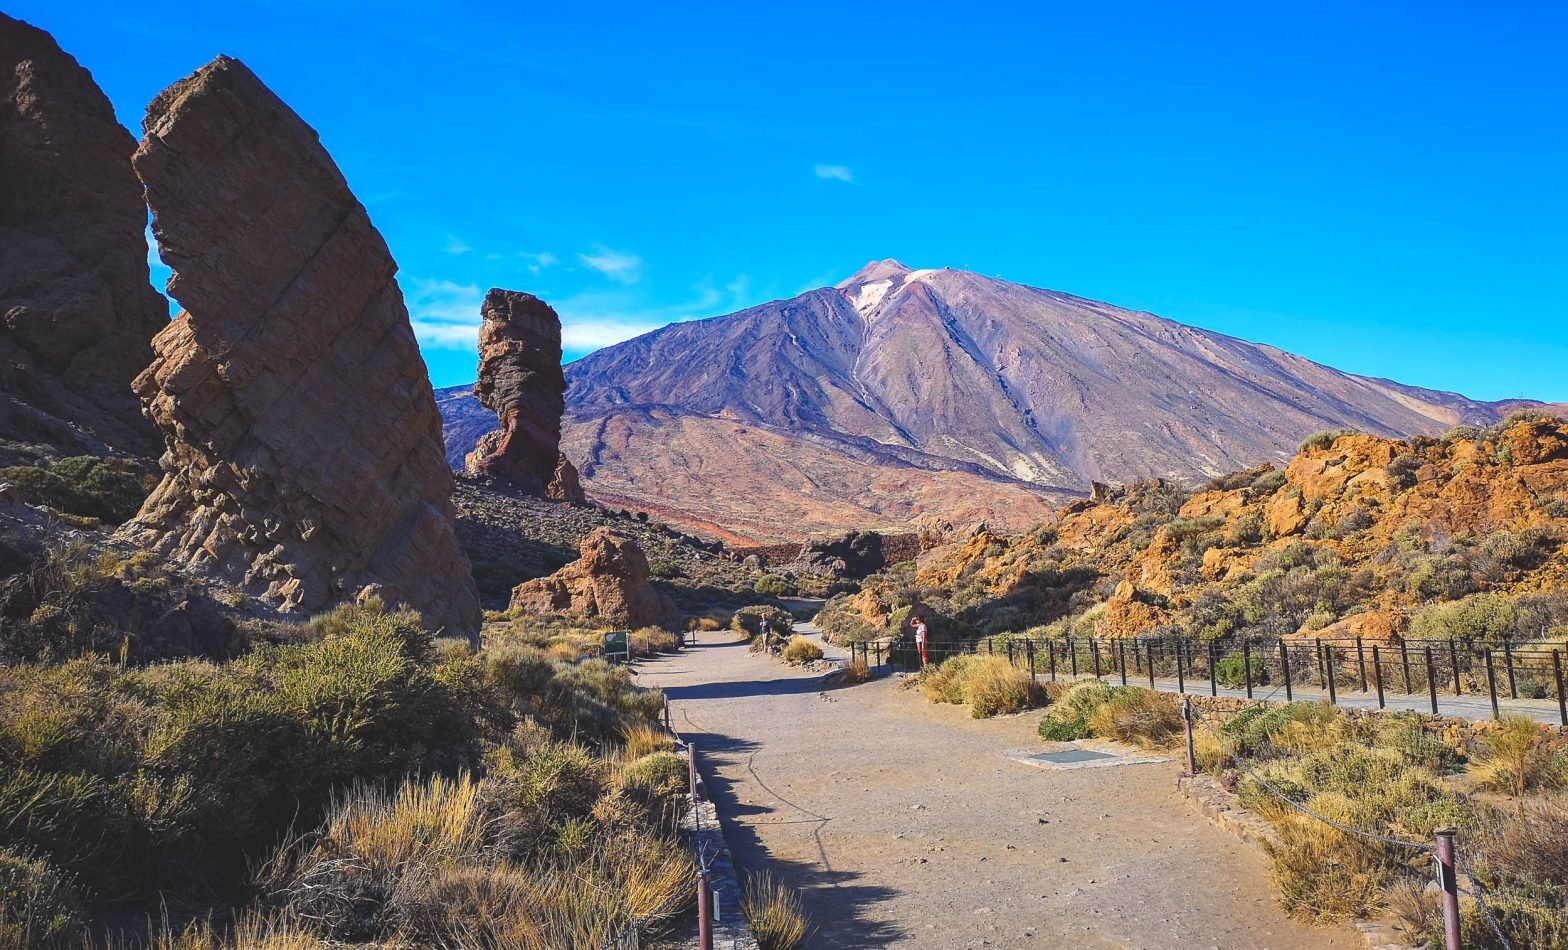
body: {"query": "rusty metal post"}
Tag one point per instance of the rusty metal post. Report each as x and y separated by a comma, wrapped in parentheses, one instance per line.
(1050, 657)
(1361, 663)
(1121, 658)
(1328, 667)
(1453, 658)
(1431, 679)
(1072, 654)
(1149, 650)
(691, 771)
(1508, 667)
(1034, 677)
(1094, 648)
(704, 911)
(1214, 683)
(1181, 674)
(1448, 881)
(1404, 663)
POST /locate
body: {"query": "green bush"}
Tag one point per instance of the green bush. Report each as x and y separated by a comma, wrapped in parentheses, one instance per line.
(1230, 671)
(1069, 715)
(801, 650)
(1324, 440)
(655, 779)
(109, 489)
(772, 585)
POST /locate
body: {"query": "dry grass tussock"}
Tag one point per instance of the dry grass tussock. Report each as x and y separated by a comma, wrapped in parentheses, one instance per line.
(1517, 759)
(857, 672)
(988, 685)
(437, 863)
(801, 650)
(640, 739)
(777, 914)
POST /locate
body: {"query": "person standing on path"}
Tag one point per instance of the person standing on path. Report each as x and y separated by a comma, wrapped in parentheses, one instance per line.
(922, 637)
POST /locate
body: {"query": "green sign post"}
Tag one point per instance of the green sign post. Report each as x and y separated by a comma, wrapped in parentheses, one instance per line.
(618, 645)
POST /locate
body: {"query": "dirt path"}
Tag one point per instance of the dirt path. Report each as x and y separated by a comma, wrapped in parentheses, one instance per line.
(905, 825)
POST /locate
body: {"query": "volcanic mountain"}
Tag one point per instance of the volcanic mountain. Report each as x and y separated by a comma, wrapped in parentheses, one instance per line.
(900, 394)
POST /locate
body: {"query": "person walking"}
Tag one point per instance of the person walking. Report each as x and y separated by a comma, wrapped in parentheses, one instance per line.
(922, 637)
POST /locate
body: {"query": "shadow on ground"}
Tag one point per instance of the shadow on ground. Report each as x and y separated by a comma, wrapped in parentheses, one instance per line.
(835, 902)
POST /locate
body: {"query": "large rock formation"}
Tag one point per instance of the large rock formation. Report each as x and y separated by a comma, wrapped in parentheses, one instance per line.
(304, 456)
(521, 381)
(77, 312)
(608, 584)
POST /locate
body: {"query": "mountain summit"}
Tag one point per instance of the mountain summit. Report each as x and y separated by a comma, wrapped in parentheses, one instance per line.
(946, 393)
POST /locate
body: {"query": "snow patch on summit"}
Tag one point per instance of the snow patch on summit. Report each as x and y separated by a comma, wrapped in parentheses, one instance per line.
(866, 297)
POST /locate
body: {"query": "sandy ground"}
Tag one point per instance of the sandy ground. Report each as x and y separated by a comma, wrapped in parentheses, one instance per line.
(905, 824)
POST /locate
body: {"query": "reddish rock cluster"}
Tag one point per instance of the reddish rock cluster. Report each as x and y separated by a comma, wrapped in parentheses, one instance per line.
(521, 381)
(304, 458)
(609, 584)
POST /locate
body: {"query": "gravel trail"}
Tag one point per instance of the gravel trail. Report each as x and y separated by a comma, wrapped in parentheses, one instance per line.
(905, 824)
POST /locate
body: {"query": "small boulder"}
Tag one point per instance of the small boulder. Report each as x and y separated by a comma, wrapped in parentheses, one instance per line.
(609, 584)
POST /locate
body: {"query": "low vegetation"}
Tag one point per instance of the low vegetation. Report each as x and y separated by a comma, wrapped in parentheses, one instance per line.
(988, 685)
(777, 915)
(109, 490)
(1388, 775)
(349, 781)
(800, 650)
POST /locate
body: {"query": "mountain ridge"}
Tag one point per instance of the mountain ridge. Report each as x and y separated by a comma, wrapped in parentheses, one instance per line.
(943, 370)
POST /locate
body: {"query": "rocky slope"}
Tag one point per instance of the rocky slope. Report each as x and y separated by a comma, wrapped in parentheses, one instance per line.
(77, 311)
(915, 378)
(1356, 536)
(303, 443)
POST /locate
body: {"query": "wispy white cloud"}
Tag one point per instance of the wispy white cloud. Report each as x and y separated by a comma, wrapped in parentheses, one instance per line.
(599, 318)
(835, 172)
(456, 245)
(445, 313)
(619, 266)
(538, 262)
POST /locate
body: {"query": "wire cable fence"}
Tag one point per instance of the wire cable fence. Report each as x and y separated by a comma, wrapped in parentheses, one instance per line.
(1424, 672)
(1476, 890)
(630, 936)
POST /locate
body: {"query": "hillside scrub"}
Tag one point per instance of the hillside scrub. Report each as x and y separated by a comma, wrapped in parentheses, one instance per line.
(1388, 775)
(800, 650)
(1464, 537)
(499, 774)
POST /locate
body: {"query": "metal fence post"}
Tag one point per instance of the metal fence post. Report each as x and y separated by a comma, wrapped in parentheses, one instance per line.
(704, 911)
(1149, 649)
(1431, 679)
(1491, 681)
(691, 770)
(1009, 651)
(1246, 663)
(1322, 666)
(1214, 683)
(1094, 649)
(1361, 663)
(1328, 666)
(1186, 715)
(1448, 881)
(1121, 658)
(1050, 651)
(667, 715)
(1377, 674)
(1072, 654)
(1508, 667)
(1404, 663)
(1557, 673)
(1453, 658)
(1034, 677)
(1284, 662)
(1181, 674)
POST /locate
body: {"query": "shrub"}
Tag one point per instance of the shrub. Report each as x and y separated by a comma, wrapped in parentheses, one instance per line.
(1320, 876)
(1269, 482)
(857, 672)
(655, 779)
(1526, 843)
(1486, 617)
(1402, 470)
(772, 585)
(1517, 759)
(801, 650)
(1069, 715)
(1525, 918)
(641, 738)
(993, 688)
(648, 641)
(777, 914)
(1231, 671)
(1140, 716)
(109, 489)
(38, 908)
(762, 620)
(1324, 440)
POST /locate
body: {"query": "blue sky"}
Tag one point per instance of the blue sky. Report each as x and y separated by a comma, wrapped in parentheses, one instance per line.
(1376, 186)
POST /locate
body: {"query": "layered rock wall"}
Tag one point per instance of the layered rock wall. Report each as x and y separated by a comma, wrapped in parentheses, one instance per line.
(77, 310)
(304, 458)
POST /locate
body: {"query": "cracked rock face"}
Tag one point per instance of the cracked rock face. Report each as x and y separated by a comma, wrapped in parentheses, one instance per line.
(521, 381)
(77, 310)
(609, 584)
(304, 458)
